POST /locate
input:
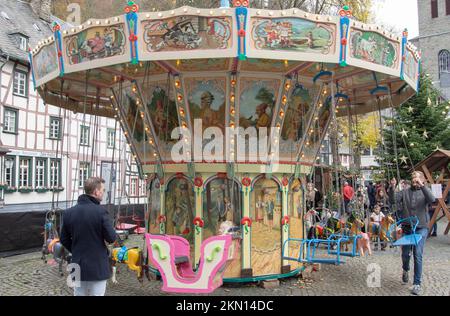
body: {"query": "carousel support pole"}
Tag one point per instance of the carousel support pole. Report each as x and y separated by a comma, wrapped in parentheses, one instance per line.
(199, 189)
(285, 222)
(246, 223)
(162, 224)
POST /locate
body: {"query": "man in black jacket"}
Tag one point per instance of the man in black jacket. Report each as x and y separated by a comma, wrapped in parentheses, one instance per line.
(410, 202)
(86, 229)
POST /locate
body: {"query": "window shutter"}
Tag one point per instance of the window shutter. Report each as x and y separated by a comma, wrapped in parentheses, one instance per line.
(447, 7)
(434, 9)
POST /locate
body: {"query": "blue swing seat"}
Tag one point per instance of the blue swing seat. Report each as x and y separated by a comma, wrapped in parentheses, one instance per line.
(308, 247)
(408, 240)
(412, 239)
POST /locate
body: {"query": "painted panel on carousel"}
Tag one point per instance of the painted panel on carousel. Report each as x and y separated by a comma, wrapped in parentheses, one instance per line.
(411, 68)
(374, 51)
(136, 124)
(209, 64)
(266, 208)
(299, 112)
(180, 210)
(168, 37)
(267, 65)
(207, 101)
(45, 64)
(155, 207)
(318, 128)
(163, 113)
(363, 79)
(94, 77)
(257, 105)
(298, 38)
(222, 210)
(96, 47)
(295, 213)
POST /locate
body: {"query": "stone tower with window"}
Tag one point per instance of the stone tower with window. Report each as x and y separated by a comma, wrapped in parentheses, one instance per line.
(434, 42)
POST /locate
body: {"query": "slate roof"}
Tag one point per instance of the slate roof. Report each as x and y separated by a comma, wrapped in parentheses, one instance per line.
(21, 20)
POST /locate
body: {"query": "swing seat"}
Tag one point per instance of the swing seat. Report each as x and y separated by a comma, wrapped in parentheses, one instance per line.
(408, 240)
(170, 255)
(412, 239)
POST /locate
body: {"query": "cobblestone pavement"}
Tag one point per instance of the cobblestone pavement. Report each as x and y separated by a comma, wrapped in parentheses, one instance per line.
(27, 275)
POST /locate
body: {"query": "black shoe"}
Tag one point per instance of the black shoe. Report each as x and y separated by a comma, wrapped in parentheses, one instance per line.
(433, 235)
(405, 277)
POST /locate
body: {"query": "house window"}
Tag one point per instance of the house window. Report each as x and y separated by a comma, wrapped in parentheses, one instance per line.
(41, 170)
(55, 170)
(84, 136)
(55, 128)
(24, 172)
(23, 43)
(111, 138)
(10, 171)
(10, 121)
(133, 187)
(434, 9)
(83, 173)
(444, 61)
(143, 188)
(20, 83)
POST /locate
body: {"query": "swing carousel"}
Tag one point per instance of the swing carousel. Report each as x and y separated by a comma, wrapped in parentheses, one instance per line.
(289, 71)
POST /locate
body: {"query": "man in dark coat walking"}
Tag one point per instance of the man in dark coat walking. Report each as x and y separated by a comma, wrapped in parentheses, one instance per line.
(86, 229)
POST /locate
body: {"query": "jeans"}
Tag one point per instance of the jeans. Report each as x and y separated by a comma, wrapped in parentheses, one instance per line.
(88, 288)
(346, 206)
(434, 228)
(418, 253)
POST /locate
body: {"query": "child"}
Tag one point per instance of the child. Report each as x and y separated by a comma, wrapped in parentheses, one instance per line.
(376, 219)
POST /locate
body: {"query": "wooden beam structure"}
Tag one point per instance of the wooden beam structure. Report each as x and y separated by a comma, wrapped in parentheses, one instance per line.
(438, 162)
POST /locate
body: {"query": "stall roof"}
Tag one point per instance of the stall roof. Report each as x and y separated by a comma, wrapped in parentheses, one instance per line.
(436, 161)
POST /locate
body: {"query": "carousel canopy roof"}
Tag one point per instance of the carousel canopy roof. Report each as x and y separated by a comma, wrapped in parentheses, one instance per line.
(101, 53)
(230, 67)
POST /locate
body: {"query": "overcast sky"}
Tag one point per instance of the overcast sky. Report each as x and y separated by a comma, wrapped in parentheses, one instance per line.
(398, 14)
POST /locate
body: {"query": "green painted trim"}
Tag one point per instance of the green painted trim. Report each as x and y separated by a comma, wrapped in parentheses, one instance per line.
(265, 277)
(252, 279)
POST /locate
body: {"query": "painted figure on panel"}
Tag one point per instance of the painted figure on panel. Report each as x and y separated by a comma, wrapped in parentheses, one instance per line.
(262, 110)
(222, 203)
(374, 48)
(155, 205)
(410, 66)
(266, 232)
(134, 120)
(260, 206)
(187, 33)
(95, 43)
(45, 62)
(297, 116)
(207, 102)
(293, 34)
(163, 113)
(180, 209)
